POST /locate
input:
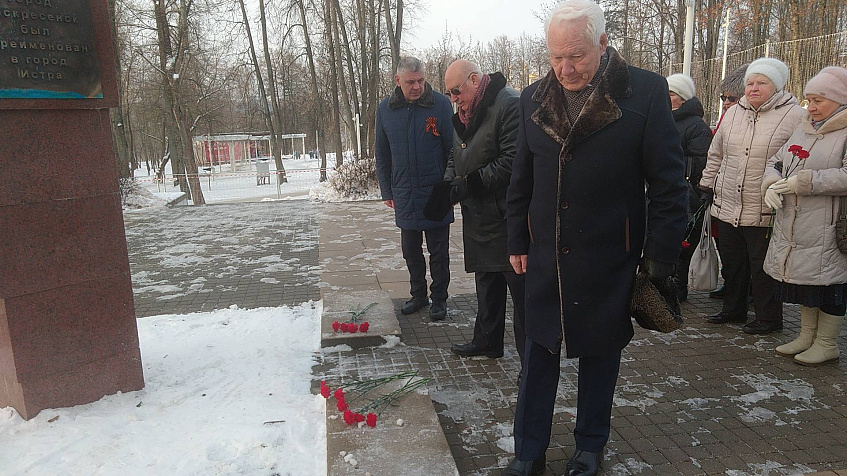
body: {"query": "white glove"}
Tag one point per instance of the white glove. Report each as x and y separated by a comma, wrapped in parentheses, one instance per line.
(773, 198)
(786, 186)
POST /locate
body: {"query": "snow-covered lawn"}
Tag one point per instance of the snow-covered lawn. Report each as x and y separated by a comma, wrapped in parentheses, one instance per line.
(227, 392)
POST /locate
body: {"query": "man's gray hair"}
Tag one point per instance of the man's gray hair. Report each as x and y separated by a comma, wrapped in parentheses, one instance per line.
(733, 84)
(410, 64)
(576, 9)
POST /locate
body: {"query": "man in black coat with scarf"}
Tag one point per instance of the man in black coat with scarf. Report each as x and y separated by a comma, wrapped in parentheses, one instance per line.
(477, 175)
(592, 133)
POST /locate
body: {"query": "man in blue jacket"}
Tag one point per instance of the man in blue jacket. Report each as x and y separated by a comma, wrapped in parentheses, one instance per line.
(414, 137)
(592, 133)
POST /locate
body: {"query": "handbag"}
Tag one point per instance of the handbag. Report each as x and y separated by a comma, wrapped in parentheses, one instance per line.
(653, 308)
(703, 270)
(841, 226)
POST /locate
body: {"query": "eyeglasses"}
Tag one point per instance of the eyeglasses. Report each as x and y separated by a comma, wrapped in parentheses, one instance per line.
(457, 91)
(729, 98)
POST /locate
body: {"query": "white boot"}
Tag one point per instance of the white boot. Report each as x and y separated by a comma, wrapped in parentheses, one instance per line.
(808, 325)
(825, 347)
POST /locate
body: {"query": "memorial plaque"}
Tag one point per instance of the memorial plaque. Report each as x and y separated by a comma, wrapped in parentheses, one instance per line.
(48, 50)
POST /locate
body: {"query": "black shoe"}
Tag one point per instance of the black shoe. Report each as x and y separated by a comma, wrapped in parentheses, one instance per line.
(525, 468)
(472, 350)
(584, 463)
(682, 294)
(414, 305)
(438, 311)
(718, 293)
(722, 318)
(762, 327)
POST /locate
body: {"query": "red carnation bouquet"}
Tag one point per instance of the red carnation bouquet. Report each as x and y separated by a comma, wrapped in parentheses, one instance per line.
(373, 404)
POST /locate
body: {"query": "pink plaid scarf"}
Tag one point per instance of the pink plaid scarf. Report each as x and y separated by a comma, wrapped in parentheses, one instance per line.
(465, 117)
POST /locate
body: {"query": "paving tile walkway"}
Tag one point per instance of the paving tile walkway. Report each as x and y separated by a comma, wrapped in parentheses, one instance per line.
(704, 400)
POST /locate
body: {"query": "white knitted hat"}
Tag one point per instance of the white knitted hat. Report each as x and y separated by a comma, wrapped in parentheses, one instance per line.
(682, 85)
(774, 69)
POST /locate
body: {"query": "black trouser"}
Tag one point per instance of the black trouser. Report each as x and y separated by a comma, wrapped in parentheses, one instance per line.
(438, 245)
(491, 309)
(537, 397)
(693, 233)
(743, 251)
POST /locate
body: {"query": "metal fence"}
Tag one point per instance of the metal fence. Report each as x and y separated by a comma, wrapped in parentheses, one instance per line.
(804, 57)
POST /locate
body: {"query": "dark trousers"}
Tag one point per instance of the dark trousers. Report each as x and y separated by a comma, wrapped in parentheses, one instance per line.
(438, 245)
(537, 397)
(743, 251)
(491, 309)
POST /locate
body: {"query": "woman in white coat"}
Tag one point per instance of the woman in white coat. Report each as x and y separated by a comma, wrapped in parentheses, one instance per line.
(751, 132)
(803, 255)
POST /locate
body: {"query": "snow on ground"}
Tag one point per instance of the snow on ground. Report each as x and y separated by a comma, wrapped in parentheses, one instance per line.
(227, 183)
(227, 392)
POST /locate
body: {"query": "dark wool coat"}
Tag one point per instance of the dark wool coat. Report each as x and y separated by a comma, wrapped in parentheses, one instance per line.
(576, 204)
(487, 145)
(413, 142)
(696, 139)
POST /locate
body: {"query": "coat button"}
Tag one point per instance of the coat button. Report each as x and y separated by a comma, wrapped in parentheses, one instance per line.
(565, 205)
(565, 250)
(464, 146)
(568, 157)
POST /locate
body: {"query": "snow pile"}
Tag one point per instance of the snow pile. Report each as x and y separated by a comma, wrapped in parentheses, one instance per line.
(134, 196)
(353, 180)
(227, 392)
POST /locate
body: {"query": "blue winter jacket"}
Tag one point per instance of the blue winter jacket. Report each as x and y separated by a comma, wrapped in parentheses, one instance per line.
(413, 142)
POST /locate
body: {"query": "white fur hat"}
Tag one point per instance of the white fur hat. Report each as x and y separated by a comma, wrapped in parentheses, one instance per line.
(682, 85)
(774, 69)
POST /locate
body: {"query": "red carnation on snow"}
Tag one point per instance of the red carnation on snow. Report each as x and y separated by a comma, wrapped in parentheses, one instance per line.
(359, 417)
(342, 406)
(336, 325)
(324, 389)
(363, 327)
(339, 394)
(370, 420)
(352, 328)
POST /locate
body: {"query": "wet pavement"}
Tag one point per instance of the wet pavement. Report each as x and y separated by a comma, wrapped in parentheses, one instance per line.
(703, 400)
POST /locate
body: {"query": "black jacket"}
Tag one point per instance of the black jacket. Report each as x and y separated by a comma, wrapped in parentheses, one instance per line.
(576, 204)
(486, 147)
(696, 138)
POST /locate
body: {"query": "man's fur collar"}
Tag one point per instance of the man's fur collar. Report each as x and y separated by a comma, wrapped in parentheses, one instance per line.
(599, 111)
(397, 100)
(498, 82)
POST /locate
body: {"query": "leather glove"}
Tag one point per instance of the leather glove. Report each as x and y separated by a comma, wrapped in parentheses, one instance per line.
(773, 198)
(657, 271)
(707, 195)
(438, 204)
(476, 187)
(786, 186)
(458, 190)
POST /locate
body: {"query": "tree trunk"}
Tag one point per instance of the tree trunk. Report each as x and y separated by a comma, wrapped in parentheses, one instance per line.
(276, 120)
(314, 84)
(122, 153)
(333, 86)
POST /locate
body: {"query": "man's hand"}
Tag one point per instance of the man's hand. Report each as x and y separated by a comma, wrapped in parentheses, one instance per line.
(518, 263)
(773, 198)
(786, 186)
(390, 203)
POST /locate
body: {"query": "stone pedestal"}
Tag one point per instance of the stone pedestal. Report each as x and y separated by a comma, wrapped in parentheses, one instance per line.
(67, 324)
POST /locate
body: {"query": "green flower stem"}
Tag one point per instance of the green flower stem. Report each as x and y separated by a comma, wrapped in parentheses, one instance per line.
(356, 315)
(384, 401)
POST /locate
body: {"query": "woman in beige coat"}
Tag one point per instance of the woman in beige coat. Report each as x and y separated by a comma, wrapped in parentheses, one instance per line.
(803, 254)
(750, 133)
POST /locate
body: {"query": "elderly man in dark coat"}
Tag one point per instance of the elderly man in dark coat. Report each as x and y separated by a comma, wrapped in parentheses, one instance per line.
(592, 132)
(486, 127)
(413, 140)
